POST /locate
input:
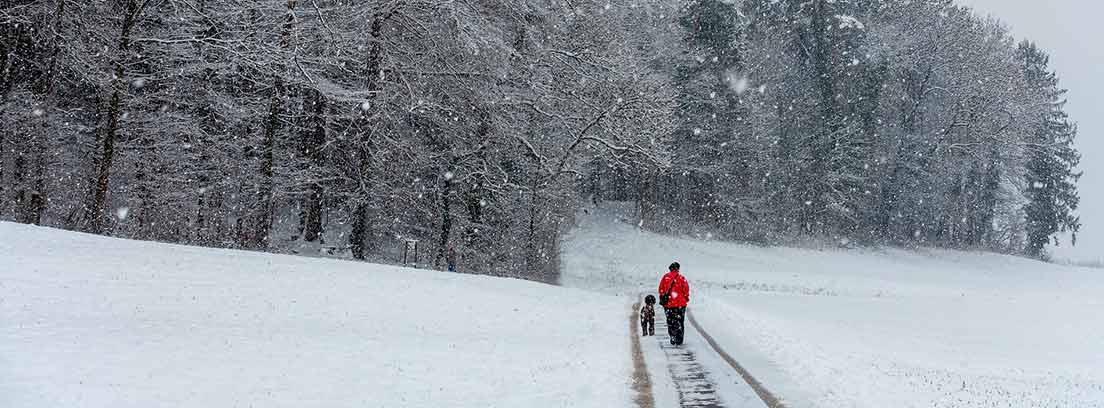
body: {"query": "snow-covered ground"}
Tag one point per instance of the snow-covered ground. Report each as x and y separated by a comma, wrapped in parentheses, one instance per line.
(92, 321)
(88, 321)
(873, 328)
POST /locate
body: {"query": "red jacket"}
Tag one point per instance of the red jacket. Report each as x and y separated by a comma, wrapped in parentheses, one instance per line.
(680, 290)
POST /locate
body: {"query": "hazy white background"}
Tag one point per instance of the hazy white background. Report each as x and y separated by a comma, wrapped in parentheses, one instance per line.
(1072, 32)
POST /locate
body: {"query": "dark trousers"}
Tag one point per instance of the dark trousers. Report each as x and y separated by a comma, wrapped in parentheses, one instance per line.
(647, 326)
(675, 319)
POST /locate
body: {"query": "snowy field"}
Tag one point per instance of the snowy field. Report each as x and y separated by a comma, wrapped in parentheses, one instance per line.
(874, 328)
(89, 321)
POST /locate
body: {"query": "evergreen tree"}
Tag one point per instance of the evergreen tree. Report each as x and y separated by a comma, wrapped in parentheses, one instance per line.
(1051, 168)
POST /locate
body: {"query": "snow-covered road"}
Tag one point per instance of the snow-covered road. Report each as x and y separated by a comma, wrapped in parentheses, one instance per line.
(873, 328)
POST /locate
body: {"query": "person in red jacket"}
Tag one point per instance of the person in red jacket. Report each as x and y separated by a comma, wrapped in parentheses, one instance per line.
(674, 295)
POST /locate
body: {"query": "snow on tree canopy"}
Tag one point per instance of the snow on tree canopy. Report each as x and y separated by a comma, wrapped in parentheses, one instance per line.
(212, 144)
(846, 21)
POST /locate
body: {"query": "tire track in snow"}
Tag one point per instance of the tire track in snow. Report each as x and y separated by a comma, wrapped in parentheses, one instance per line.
(692, 382)
(641, 382)
(764, 394)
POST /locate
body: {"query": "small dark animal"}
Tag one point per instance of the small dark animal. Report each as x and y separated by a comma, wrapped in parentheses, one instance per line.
(647, 316)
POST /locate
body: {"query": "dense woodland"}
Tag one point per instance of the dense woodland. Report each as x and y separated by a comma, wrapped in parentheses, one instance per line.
(347, 127)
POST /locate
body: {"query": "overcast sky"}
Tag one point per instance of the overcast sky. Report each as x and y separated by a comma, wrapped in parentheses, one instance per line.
(1071, 31)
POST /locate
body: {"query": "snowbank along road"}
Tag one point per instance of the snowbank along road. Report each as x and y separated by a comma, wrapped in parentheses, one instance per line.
(88, 321)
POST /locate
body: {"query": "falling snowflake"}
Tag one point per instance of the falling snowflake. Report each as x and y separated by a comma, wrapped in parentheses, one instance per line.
(365, 106)
(697, 131)
(138, 83)
(448, 175)
(122, 212)
(38, 112)
(737, 82)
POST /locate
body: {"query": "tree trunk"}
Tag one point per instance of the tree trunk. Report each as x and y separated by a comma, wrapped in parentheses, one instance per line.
(40, 144)
(3, 165)
(312, 217)
(264, 213)
(313, 141)
(373, 63)
(204, 233)
(19, 165)
(446, 219)
(532, 264)
(109, 132)
(647, 198)
(813, 215)
(5, 88)
(360, 232)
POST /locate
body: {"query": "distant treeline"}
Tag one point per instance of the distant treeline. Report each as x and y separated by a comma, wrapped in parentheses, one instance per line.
(869, 122)
(457, 123)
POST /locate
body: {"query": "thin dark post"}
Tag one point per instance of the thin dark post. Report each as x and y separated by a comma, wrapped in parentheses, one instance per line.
(410, 245)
